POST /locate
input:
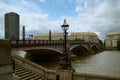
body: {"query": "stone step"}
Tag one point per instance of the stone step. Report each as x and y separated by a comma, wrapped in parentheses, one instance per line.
(24, 73)
(37, 78)
(18, 66)
(31, 77)
(27, 75)
(20, 71)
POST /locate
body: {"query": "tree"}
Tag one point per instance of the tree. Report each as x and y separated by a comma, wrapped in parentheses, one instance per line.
(118, 44)
(101, 42)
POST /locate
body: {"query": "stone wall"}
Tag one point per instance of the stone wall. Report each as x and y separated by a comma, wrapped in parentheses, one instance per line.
(5, 60)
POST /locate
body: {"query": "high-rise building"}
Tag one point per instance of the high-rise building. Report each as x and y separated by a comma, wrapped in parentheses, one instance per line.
(12, 26)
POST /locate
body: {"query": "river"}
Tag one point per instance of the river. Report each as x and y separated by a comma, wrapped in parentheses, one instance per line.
(103, 63)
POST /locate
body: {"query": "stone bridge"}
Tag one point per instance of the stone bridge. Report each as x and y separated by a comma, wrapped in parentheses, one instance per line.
(14, 67)
(76, 47)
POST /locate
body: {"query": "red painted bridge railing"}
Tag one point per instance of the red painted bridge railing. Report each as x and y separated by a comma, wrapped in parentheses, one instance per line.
(21, 43)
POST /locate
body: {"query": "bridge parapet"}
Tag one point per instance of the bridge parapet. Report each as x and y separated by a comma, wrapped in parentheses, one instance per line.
(21, 43)
(56, 45)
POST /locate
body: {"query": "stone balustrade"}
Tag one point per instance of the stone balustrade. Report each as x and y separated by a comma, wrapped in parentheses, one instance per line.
(33, 67)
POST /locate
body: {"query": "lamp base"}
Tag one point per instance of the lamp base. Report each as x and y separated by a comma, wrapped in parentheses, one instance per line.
(65, 62)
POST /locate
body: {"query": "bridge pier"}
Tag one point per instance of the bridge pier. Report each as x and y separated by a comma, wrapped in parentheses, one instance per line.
(62, 74)
(5, 60)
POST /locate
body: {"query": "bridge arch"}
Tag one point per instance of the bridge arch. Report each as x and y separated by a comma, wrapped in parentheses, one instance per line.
(36, 48)
(95, 48)
(42, 54)
(43, 48)
(79, 49)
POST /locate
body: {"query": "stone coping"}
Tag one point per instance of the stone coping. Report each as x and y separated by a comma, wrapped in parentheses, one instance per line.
(4, 42)
(95, 76)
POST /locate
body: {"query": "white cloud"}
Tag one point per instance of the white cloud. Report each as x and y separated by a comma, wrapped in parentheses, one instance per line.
(88, 4)
(33, 20)
(42, 1)
(100, 18)
(28, 17)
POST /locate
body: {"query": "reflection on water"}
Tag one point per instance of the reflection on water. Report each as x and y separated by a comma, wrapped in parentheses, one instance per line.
(103, 63)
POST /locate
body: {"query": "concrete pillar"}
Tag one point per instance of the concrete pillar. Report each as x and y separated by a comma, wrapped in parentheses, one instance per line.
(64, 74)
(5, 60)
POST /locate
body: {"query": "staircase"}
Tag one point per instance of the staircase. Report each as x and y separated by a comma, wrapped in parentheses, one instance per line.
(24, 74)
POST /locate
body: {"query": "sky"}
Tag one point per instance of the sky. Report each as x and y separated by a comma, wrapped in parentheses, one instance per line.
(40, 16)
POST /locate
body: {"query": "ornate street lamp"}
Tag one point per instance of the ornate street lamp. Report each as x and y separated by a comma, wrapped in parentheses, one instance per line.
(65, 59)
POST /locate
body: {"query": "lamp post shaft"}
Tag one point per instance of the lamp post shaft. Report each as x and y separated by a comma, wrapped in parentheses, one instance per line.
(23, 33)
(65, 40)
(65, 62)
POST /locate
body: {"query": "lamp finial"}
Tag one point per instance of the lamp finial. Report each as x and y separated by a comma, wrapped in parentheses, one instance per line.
(65, 23)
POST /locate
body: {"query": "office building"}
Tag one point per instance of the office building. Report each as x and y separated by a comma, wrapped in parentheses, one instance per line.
(12, 26)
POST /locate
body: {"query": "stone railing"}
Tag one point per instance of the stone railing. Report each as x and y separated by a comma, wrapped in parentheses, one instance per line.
(81, 76)
(33, 67)
(20, 43)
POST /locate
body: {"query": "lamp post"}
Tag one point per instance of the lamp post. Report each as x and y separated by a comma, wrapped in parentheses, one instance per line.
(65, 59)
(23, 33)
(13, 36)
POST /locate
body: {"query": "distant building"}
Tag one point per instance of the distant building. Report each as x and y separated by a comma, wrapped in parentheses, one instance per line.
(111, 39)
(54, 36)
(12, 26)
(84, 36)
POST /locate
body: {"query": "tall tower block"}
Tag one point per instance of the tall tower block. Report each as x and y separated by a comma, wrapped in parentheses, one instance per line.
(12, 26)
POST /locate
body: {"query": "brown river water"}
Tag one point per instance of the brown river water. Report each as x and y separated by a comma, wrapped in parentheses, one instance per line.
(104, 63)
